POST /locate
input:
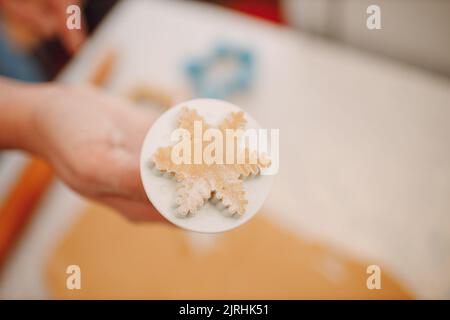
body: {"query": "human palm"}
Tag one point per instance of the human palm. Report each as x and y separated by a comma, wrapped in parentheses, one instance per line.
(93, 140)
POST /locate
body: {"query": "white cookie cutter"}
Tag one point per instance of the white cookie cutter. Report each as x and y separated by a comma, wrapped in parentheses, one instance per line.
(160, 189)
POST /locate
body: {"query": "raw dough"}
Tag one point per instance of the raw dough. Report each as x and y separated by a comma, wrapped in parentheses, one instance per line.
(258, 260)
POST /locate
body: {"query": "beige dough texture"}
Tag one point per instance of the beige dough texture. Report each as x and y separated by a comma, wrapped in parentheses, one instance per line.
(259, 260)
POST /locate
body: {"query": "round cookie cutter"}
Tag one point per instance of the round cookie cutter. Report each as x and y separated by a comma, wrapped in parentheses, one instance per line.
(161, 189)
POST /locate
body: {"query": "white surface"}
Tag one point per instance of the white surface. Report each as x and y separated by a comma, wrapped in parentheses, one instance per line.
(365, 157)
(23, 275)
(161, 190)
(413, 31)
(11, 164)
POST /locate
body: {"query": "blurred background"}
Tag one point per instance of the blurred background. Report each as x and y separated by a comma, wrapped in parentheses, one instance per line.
(364, 161)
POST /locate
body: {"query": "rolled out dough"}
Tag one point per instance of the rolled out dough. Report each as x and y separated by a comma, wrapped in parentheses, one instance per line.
(121, 260)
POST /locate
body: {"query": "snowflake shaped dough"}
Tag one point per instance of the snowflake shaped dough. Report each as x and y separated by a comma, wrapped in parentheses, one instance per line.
(197, 183)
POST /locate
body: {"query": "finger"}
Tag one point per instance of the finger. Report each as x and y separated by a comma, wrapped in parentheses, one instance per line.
(127, 175)
(131, 177)
(32, 15)
(134, 211)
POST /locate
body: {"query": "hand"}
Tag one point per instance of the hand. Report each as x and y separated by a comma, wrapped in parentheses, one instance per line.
(44, 19)
(93, 140)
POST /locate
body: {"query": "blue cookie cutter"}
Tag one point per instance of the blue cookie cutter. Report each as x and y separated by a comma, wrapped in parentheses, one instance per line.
(237, 77)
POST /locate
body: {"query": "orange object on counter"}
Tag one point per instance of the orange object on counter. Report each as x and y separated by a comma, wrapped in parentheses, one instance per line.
(104, 69)
(24, 197)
